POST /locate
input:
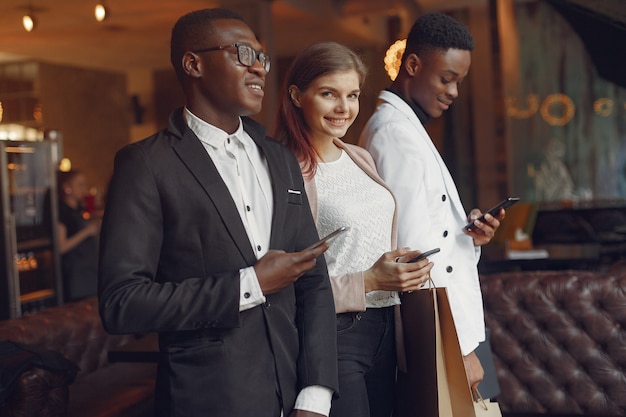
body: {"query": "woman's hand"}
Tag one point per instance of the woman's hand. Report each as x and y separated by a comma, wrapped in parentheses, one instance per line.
(93, 227)
(391, 272)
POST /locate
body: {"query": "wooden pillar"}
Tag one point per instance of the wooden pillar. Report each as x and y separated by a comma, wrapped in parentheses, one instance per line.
(258, 14)
(510, 67)
(489, 147)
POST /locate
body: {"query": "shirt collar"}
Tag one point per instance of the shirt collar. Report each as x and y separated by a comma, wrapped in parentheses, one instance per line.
(419, 112)
(211, 135)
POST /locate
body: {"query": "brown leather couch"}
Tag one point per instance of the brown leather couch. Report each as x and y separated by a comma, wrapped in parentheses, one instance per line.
(100, 388)
(559, 340)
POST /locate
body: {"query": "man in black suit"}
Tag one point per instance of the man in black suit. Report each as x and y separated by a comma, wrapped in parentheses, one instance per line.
(204, 240)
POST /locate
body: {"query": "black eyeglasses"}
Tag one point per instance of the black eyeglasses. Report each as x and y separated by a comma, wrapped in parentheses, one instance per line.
(246, 54)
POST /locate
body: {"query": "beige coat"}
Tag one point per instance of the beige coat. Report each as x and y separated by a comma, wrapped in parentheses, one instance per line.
(349, 289)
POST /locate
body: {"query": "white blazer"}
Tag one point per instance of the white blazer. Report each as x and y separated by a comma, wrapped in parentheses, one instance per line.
(430, 212)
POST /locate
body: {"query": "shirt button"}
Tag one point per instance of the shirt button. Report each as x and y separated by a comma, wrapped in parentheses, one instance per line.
(248, 208)
(448, 269)
(228, 140)
(246, 295)
(443, 197)
(258, 248)
(445, 233)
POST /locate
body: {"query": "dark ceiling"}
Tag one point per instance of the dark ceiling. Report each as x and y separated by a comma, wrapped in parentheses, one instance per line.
(601, 25)
(137, 34)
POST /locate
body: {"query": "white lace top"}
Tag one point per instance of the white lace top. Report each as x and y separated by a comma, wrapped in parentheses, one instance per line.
(347, 196)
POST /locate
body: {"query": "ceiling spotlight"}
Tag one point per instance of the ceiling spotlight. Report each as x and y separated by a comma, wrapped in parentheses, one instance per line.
(100, 11)
(393, 58)
(29, 22)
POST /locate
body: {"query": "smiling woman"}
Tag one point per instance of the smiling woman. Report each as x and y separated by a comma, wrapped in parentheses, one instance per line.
(329, 106)
(320, 102)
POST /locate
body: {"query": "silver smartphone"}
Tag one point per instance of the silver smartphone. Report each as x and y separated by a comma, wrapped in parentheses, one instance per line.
(504, 204)
(424, 255)
(328, 237)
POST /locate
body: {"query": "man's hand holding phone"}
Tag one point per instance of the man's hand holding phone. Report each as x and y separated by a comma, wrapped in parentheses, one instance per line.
(278, 269)
(481, 227)
(329, 236)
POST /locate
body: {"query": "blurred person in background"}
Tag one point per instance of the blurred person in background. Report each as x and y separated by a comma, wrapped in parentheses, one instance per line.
(77, 233)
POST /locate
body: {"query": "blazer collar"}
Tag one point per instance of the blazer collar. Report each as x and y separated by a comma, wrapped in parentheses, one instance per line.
(403, 107)
(419, 112)
(192, 153)
(194, 156)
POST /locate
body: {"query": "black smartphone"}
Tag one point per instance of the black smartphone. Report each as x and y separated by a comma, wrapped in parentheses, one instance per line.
(424, 255)
(504, 204)
(328, 237)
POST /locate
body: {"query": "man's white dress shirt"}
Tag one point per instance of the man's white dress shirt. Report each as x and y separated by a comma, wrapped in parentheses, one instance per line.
(244, 170)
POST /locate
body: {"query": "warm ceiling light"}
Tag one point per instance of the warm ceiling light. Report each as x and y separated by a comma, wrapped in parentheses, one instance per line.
(393, 58)
(100, 12)
(65, 165)
(29, 22)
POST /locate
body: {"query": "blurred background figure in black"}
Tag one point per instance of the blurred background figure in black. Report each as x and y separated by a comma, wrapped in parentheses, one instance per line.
(77, 231)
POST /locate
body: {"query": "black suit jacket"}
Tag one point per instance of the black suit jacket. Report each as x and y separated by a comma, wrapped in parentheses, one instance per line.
(172, 244)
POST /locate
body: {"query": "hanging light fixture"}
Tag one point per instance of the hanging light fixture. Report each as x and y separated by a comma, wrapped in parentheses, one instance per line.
(28, 20)
(101, 12)
(393, 58)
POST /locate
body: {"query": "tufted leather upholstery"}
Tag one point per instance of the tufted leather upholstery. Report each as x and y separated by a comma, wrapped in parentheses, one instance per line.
(559, 340)
(38, 393)
(101, 389)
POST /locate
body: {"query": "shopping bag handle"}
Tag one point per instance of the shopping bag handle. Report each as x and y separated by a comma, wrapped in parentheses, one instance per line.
(431, 283)
(479, 399)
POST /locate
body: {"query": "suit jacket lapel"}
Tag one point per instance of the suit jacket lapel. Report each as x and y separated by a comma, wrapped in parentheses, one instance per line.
(445, 173)
(278, 173)
(195, 157)
(453, 193)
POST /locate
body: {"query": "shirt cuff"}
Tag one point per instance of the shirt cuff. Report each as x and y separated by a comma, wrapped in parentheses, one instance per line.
(250, 294)
(315, 398)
